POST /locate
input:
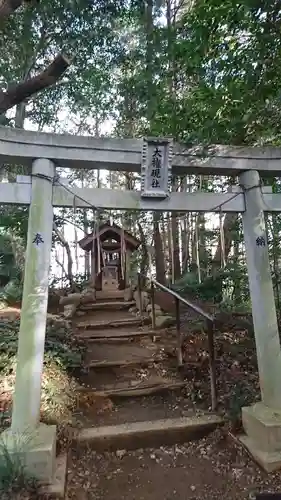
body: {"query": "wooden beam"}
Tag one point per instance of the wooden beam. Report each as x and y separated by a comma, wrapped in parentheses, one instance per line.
(69, 151)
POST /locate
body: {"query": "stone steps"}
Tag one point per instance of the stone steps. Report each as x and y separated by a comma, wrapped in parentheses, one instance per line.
(115, 323)
(148, 434)
(111, 363)
(110, 294)
(122, 365)
(135, 388)
(113, 355)
(117, 334)
(111, 304)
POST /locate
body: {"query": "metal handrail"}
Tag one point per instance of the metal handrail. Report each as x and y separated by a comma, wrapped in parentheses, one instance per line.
(209, 323)
(187, 302)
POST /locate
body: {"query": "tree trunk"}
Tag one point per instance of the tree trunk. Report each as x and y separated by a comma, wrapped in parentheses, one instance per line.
(87, 254)
(197, 247)
(176, 249)
(66, 245)
(172, 83)
(159, 254)
(76, 250)
(20, 115)
(170, 249)
(85, 229)
(150, 87)
(150, 107)
(144, 264)
(229, 225)
(19, 92)
(185, 243)
(236, 295)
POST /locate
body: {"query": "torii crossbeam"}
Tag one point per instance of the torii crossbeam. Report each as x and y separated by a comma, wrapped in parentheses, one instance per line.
(69, 151)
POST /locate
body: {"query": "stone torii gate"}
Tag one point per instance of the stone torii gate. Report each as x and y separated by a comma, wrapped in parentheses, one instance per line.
(42, 191)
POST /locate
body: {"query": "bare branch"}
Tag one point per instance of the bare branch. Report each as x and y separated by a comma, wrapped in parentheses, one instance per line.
(7, 7)
(61, 265)
(65, 244)
(17, 93)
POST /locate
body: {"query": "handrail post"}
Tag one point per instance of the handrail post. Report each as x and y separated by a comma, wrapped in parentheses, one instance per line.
(212, 364)
(179, 338)
(139, 294)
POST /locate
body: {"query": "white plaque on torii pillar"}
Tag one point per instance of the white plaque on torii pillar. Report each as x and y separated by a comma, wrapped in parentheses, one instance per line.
(156, 167)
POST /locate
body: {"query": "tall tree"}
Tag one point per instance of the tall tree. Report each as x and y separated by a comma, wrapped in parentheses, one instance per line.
(39, 42)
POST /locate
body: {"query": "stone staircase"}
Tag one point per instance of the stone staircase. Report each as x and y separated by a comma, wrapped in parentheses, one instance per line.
(126, 379)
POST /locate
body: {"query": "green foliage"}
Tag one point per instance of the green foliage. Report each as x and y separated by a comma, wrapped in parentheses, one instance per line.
(12, 292)
(13, 222)
(229, 305)
(59, 345)
(207, 75)
(12, 249)
(215, 76)
(33, 36)
(62, 356)
(207, 290)
(7, 260)
(11, 267)
(13, 475)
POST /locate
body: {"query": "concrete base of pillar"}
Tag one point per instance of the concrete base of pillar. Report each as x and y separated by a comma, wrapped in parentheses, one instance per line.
(56, 488)
(270, 462)
(35, 451)
(262, 426)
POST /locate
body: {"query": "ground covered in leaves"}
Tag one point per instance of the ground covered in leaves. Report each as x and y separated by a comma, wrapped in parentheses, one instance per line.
(208, 469)
(236, 367)
(211, 468)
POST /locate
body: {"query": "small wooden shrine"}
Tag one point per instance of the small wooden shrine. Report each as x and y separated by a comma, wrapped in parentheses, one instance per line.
(110, 247)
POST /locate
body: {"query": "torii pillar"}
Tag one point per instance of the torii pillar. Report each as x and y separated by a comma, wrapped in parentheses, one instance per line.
(262, 421)
(27, 439)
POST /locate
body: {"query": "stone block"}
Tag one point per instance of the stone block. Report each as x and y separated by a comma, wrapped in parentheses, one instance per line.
(158, 312)
(72, 298)
(128, 294)
(56, 489)
(263, 426)
(144, 299)
(34, 450)
(69, 310)
(133, 310)
(156, 307)
(164, 321)
(269, 461)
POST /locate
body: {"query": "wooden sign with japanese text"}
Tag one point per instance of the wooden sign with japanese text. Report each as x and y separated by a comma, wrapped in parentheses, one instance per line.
(156, 168)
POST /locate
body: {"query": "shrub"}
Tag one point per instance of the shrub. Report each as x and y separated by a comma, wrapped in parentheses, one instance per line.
(12, 292)
(62, 355)
(13, 475)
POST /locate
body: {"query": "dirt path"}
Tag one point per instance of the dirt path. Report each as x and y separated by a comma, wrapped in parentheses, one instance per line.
(211, 468)
(206, 470)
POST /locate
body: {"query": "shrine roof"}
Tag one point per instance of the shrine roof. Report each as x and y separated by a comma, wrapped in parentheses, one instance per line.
(107, 231)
